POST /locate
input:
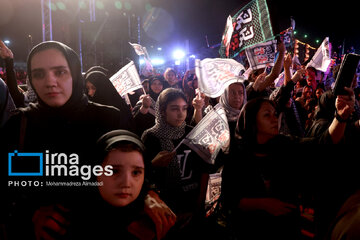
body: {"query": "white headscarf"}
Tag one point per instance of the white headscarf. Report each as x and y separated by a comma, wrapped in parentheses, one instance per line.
(231, 113)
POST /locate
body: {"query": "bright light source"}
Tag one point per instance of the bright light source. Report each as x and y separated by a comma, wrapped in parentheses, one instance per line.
(192, 56)
(7, 42)
(141, 61)
(159, 48)
(178, 54)
(177, 62)
(157, 61)
(305, 36)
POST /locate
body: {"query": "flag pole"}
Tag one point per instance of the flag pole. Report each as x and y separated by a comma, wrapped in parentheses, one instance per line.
(144, 90)
(127, 99)
(178, 145)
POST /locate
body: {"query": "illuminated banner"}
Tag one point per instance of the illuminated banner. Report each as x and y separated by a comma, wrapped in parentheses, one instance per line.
(126, 79)
(210, 135)
(261, 55)
(251, 26)
(216, 74)
(321, 59)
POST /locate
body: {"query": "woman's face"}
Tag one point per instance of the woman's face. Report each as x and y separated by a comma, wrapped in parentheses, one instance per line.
(156, 86)
(51, 77)
(91, 89)
(171, 78)
(124, 186)
(267, 122)
(319, 92)
(176, 112)
(236, 96)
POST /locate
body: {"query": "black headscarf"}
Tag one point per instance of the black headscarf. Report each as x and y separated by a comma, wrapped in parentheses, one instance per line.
(153, 95)
(105, 93)
(78, 99)
(115, 220)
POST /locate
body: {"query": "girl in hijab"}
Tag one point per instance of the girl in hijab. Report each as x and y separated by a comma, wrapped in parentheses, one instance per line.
(144, 110)
(180, 174)
(119, 199)
(261, 188)
(101, 90)
(63, 121)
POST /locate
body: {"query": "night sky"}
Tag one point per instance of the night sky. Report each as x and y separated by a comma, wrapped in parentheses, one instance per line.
(178, 20)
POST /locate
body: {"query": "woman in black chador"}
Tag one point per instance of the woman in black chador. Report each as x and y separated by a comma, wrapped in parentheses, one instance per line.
(63, 121)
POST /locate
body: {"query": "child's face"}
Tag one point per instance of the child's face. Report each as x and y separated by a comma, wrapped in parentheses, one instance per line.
(124, 186)
(176, 112)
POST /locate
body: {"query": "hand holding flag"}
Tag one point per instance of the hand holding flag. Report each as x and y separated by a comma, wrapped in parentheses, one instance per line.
(126, 79)
(210, 135)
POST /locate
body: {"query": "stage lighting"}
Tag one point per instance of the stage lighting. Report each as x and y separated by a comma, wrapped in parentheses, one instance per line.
(178, 54)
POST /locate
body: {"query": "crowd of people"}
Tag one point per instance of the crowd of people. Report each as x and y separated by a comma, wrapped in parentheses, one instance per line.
(287, 161)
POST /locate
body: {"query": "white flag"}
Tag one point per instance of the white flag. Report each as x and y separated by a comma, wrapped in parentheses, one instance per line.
(210, 135)
(126, 79)
(226, 38)
(216, 74)
(261, 55)
(321, 59)
(138, 48)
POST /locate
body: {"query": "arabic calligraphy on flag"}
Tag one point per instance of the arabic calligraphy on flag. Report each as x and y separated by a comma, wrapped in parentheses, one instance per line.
(210, 135)
(216, 74)
(126, 79)
(261, 55)
(251, 25)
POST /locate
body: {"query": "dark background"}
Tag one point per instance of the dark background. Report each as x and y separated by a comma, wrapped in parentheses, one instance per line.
(166, 24)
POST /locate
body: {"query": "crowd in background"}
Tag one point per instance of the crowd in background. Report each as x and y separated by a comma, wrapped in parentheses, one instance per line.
(285, 175)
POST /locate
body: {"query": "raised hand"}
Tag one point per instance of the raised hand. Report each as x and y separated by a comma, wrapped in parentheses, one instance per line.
(5, 52)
